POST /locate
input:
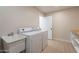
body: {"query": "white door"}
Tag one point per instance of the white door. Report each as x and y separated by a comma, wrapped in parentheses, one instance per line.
(45, 23)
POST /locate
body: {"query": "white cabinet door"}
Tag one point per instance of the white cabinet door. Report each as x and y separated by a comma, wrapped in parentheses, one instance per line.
(17, 47)
(75, 42)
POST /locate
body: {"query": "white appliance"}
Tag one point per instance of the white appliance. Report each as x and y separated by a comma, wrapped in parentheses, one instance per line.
(44, 39)
(37, 40)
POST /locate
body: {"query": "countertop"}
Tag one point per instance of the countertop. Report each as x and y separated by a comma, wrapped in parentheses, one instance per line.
(10, 39)
(76, 32)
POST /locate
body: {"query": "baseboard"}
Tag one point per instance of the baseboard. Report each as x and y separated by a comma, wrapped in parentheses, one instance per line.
(62, 40)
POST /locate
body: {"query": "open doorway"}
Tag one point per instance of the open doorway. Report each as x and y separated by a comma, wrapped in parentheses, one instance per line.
(45, 23)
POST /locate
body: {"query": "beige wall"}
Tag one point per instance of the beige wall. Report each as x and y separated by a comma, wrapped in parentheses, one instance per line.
(64, 22)
(12, 18)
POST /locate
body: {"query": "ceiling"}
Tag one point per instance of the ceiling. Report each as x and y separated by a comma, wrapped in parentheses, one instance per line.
(49, 9)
